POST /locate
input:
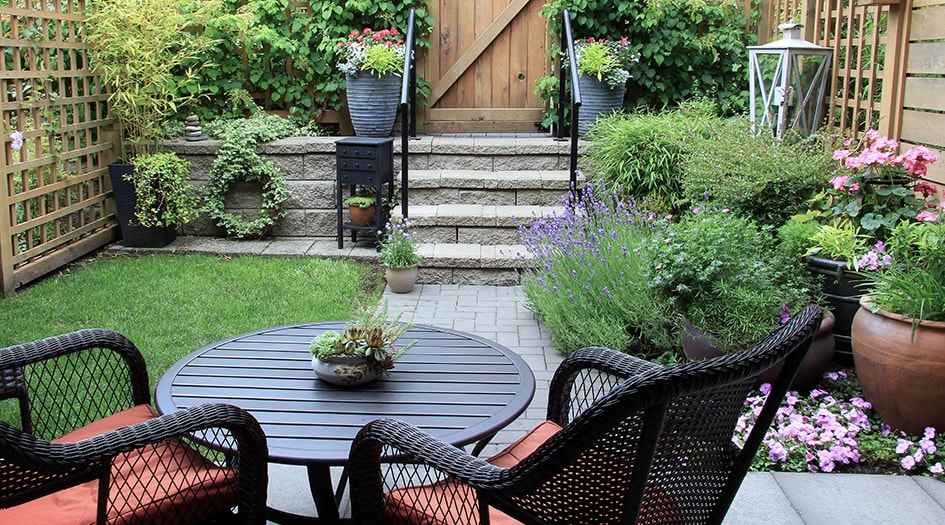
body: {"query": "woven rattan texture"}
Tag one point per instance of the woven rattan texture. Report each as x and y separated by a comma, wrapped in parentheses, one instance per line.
(641, 443)
(187, 458)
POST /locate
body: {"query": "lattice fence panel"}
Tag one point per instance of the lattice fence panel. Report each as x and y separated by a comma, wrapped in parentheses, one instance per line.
(55, 200)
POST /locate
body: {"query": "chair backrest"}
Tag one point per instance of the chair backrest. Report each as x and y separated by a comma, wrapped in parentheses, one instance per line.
(659, 447)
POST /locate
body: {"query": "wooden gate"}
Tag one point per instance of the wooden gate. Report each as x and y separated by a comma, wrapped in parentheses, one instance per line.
(486, 57)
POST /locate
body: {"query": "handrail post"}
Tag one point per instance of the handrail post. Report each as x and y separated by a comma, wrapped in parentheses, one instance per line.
(567, 43)
(408, 108)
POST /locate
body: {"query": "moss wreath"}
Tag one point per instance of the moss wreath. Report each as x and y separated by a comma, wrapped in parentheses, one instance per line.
(237, 160)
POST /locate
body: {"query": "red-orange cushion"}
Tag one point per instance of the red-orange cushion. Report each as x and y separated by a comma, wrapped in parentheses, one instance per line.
(450, 502)
(167, 482)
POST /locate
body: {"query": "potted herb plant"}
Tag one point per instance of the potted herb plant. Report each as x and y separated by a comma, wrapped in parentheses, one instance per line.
(729, 284)
(136, 47)
(899, 331)
(373, 63)
(363, 351)
(362, 206)
(399, 256)
(602, 77)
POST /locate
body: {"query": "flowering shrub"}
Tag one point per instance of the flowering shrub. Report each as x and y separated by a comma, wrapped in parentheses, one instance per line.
(812, 433)
(906, 274)
(834, 427)
(604, 59)
(399, 245)
(880, 187)
(583, 282)
(922, 454)
(378, 52)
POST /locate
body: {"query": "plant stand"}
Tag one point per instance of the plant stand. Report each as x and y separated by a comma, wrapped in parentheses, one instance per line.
(364, 161)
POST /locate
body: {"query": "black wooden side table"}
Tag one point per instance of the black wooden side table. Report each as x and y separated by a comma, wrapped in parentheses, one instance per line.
(363, 161)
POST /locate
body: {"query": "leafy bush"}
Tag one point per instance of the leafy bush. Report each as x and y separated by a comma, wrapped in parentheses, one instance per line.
(759, 176)
(687, 49)
(643, 152)
(292, 53)
(586, 286)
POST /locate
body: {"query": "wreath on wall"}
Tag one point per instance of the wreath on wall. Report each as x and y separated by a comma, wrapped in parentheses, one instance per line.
(238, 161)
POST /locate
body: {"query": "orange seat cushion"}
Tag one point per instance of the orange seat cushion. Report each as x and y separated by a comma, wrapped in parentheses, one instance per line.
(168, 482)
(450, 502)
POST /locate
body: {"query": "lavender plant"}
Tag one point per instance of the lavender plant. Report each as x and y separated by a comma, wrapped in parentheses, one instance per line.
(587, 283)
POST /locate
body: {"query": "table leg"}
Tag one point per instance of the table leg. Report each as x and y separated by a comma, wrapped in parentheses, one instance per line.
(319, 480)
(323, 494)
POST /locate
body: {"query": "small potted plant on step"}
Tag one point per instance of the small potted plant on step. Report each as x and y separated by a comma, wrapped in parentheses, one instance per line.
(360, 353)
(362, 206)
(399, 256)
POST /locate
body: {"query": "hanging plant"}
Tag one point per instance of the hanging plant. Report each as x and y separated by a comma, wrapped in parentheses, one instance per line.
(237, 160)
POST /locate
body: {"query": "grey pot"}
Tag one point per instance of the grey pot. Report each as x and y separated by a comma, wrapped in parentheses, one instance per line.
(372, 103)
(597, 100)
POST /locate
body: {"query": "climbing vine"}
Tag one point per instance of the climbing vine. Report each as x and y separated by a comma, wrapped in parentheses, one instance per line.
(238, 160)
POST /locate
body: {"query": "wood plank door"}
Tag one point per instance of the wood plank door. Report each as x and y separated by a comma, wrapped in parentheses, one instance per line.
(486, 58)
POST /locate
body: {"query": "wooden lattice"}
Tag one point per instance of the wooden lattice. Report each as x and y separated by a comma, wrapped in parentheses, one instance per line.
(55, 200)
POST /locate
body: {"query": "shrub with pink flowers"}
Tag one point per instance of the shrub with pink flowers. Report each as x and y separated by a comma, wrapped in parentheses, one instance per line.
(377, 52)
(879, 188)
(834, 428)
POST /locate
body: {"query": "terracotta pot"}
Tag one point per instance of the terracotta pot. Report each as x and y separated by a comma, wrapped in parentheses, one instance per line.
(344, 370)
(401, 280)
(697, 345)
(903, 377)
(362, 216)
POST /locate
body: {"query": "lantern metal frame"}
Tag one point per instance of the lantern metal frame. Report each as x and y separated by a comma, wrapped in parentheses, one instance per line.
(786, 102)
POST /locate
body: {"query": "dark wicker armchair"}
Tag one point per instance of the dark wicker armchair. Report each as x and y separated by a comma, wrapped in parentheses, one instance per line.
(89, 448)
(626, 441)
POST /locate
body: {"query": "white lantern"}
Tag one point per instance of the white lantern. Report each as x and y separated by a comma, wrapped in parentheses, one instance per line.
(787, 80)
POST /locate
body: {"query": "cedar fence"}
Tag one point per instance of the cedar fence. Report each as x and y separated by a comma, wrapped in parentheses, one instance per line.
(55, 199)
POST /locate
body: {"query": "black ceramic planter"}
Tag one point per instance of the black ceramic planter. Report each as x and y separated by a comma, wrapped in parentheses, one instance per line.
(840, 291)
(134, 235)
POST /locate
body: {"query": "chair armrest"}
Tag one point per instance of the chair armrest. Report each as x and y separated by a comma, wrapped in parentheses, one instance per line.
(43, 354)
(611, 367)
(29, 452)
(410, 445)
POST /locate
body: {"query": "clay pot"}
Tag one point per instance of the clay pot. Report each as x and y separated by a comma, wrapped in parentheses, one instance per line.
(697, 345)
(401, 280)
(901, 375)
(362, 216)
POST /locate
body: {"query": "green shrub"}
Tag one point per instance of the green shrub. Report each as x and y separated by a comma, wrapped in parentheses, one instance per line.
(759, 176)
(642, 152)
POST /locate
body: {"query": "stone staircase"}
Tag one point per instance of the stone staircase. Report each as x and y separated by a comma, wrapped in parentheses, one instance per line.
(469, 195)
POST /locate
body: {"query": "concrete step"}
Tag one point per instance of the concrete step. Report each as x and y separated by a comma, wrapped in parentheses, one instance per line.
(471, 263)
(501, 188)
(473, 223)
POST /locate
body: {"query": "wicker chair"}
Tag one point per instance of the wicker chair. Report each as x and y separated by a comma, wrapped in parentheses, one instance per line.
(626, 441)
(89, 448)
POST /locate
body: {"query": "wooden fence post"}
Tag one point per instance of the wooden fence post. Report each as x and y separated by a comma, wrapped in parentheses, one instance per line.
(894, 70)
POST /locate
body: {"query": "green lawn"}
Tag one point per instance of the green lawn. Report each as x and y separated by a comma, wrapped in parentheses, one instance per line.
(170, 305)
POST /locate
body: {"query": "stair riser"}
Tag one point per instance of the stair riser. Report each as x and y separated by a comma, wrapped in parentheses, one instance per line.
(496, 197)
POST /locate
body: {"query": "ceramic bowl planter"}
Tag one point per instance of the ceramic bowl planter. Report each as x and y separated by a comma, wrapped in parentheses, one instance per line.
(403, 279)
(901, 375)
(344, 370)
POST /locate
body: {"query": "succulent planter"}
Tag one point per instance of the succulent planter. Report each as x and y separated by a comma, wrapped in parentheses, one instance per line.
(344, 370)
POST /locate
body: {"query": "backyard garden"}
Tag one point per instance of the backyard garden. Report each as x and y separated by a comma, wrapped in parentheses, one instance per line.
(692, 227)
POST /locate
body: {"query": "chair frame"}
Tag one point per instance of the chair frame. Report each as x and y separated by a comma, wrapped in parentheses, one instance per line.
(587, 413)
(34, 467)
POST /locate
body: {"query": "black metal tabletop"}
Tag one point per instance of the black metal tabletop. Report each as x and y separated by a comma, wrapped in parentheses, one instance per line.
(459, 387)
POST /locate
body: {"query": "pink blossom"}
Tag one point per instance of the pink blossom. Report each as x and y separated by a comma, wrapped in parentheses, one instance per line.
(17, 140)
(839, 181)
(927, 216)
(907, 462)
(841, 154)
(902, 446)
(855, 187)
(937, 469)
(925, 188)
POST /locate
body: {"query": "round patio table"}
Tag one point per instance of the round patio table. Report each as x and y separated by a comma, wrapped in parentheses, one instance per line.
(460, 388)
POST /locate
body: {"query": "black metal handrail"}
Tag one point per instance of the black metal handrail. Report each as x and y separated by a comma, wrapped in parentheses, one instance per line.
(567, 49)
(408, 106)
